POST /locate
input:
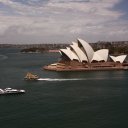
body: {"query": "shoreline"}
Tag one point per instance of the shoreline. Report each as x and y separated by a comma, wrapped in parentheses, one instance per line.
(102, 67)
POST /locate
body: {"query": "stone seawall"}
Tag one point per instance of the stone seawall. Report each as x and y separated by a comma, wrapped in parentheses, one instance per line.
(69, 68)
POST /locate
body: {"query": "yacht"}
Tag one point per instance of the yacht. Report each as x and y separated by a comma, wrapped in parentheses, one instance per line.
(11, 91)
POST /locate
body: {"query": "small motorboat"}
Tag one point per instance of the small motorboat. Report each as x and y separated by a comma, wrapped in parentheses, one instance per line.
(30, 76)
(11, 91)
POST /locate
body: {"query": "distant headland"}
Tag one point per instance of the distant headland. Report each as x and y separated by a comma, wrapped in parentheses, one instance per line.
(115, 47)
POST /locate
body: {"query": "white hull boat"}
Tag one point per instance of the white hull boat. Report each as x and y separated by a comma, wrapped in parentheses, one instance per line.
(7, 91)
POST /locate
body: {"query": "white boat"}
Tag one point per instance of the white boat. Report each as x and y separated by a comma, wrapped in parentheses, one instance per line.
(11, 91)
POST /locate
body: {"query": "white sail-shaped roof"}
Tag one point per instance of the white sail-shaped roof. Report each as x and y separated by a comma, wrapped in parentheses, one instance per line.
(88, 49)
(100, 55)
(81, 55)
(69, 54)
(66, 53)
(120, 58)
(97, 57)
(113, 58)
(74, 56)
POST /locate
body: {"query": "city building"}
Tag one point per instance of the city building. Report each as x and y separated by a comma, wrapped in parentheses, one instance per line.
(80, 56)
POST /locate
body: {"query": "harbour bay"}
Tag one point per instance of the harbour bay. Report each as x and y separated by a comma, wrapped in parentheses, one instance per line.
(93, 99)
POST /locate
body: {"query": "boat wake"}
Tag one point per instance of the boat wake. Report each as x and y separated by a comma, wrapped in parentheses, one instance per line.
(54, 79)
(78, 79)
(3, 57)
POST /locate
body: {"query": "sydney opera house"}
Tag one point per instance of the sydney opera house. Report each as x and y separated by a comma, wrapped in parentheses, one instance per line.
(80, 56)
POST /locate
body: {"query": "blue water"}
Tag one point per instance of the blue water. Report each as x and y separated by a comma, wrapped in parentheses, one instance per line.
(60, 99)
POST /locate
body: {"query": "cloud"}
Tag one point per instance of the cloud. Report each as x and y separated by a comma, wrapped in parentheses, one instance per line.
(61, 19)
(38, 6)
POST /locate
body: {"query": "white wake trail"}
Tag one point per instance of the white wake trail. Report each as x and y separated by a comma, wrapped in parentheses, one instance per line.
(78, 79)
(54, 79)
(3, 57)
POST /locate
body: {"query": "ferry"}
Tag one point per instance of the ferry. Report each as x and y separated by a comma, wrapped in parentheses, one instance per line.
(11, 91)
(30, 76)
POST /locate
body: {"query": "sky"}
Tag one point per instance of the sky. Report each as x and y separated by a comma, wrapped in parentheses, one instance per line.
(63, 21)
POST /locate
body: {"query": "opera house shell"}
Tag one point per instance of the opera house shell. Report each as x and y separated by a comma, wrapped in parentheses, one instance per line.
(80, 56)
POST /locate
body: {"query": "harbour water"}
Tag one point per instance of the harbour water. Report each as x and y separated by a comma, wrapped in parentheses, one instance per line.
(96, 99)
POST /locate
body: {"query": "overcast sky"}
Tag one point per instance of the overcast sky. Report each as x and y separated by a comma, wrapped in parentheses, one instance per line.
(63, 21)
